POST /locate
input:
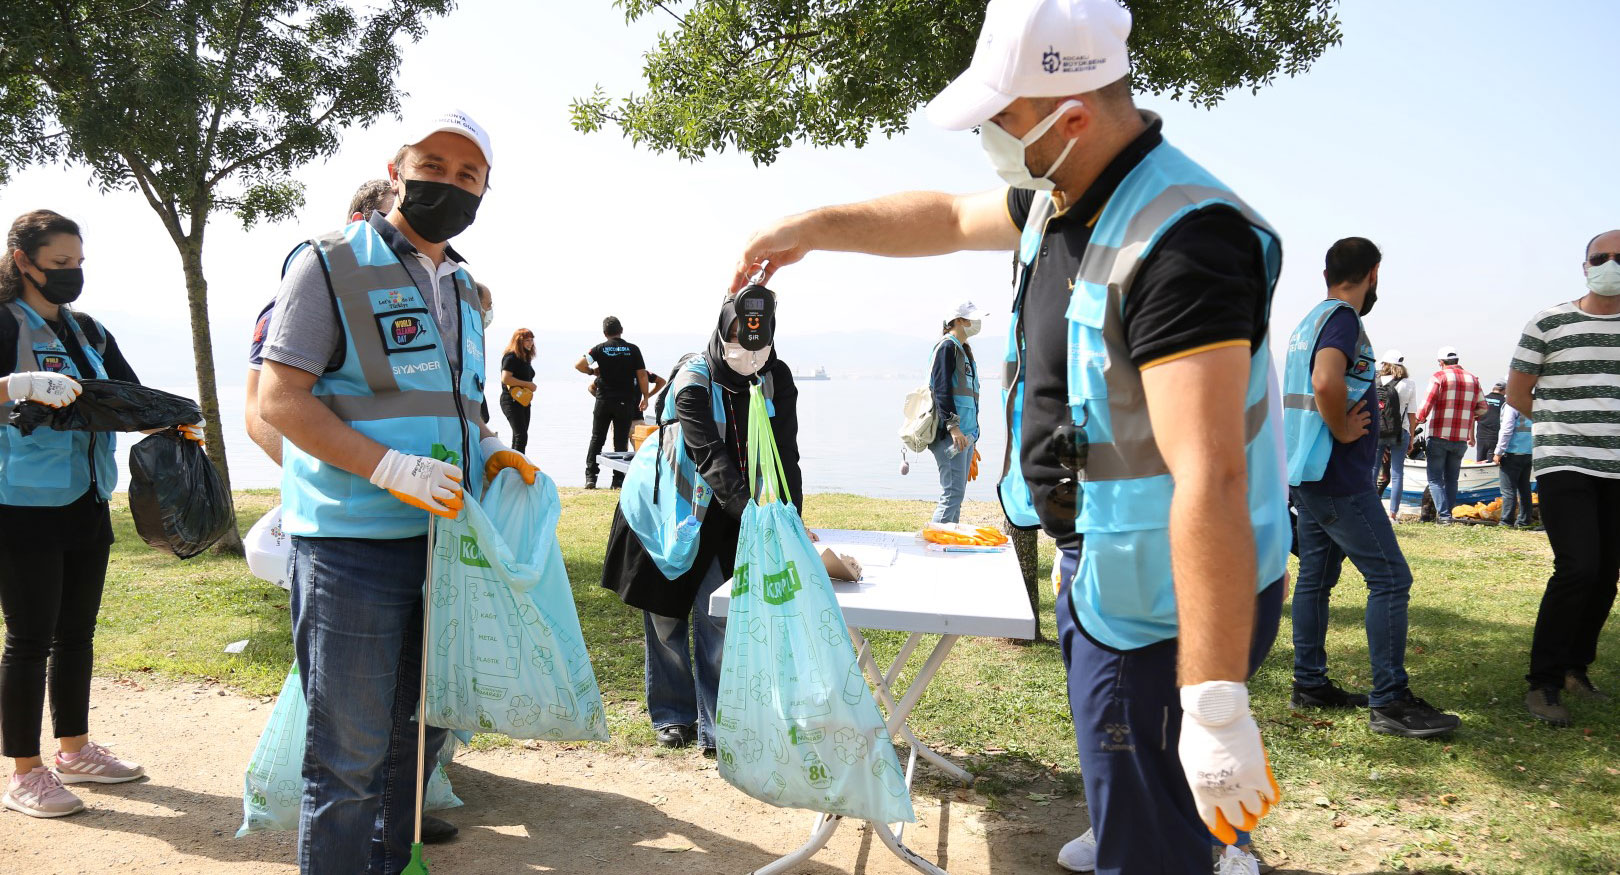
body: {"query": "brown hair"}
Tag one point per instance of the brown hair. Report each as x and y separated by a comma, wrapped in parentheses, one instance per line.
(30, 233)
(370, 197)
(1392, 369)
(513, 347)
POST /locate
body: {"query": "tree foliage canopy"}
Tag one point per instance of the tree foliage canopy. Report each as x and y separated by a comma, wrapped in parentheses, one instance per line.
(760, 75)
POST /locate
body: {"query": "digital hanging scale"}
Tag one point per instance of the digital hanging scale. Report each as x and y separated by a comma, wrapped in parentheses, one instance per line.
(756, 312)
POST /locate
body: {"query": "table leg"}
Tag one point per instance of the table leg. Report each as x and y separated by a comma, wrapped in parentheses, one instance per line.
(820, 834)
(900, 711)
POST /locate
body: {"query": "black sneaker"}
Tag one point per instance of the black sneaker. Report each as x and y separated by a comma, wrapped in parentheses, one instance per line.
(1328, 695)
(676, 735)
(1411, 717)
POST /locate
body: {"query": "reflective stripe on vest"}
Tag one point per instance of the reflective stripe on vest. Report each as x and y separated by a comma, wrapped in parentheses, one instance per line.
(964, 386)
(1123, 593)
(663, 487)
(1013, 490)
(1310, 444)
(395, 384)
(51, 468)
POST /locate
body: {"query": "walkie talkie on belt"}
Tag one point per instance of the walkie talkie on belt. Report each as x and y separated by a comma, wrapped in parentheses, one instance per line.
(756, 313)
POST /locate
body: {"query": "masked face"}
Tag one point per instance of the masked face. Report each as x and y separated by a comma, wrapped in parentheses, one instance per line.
(489, 317)
(1371, 299)
(1008, 153)
(61, 286)
(1605, 278)
(972, 327)
(438, 210)
(746, 362)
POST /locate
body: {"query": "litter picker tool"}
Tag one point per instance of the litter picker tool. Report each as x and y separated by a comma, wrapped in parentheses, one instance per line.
(418, 865)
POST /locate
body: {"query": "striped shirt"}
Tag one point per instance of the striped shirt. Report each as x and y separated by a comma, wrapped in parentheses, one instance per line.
(1575, 359)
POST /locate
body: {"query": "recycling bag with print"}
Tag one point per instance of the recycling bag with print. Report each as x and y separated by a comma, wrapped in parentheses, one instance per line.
(273, 788)
(505, 652)
(796, 723)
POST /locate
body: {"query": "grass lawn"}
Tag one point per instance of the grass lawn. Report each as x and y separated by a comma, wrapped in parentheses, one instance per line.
(1503, 795)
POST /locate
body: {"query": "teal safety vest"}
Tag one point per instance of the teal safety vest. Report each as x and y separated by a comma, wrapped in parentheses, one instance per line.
(1522, 441)
(964, 387)
(1309, 442)
(664, 499)
(395, 385)
(51, 468)
(1013, 491)
(1123, 592)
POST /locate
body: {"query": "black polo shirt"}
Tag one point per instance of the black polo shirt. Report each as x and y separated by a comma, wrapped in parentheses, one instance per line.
(1204, 284)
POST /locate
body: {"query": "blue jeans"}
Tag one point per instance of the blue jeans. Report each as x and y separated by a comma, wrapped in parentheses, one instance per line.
(953, 477)
(1514, 476)
(1331, 529)
(1127, 724)
(1445, 464)
(1393, 453)
(673, 699)
(357, 631)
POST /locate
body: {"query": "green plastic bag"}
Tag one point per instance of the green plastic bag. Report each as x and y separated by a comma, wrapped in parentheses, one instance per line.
(273, 788)
(506, 653)
(796, 725)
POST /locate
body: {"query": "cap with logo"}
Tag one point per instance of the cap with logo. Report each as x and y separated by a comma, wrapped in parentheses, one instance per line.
(1447, 354)
(454, 122)
(1036, 48)
(1393, 357)
(965, 310)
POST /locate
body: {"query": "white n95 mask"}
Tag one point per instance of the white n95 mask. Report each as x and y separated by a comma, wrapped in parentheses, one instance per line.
(1007, 151)
(972, 328)
(746, 361)
(1605, 278)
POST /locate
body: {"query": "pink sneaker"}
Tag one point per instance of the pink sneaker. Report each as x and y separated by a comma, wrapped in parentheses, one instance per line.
(40, 794)
(97, 765)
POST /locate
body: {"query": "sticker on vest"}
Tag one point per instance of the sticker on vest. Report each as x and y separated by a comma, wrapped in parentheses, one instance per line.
(407, 331)
(54, 362)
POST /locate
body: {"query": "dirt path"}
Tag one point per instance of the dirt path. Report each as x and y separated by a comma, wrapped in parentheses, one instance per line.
(546, 809)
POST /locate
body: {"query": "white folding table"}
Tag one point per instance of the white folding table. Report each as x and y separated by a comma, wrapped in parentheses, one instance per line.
(907, 588)
(613, 463)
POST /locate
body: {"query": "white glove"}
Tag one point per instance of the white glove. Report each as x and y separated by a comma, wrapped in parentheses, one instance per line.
(498, 456)
(421, 482)
(1223, 759)
(51, 390)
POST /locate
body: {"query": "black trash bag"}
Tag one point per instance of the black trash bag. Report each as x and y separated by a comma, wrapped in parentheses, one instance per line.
(110, 405)
(176, 496)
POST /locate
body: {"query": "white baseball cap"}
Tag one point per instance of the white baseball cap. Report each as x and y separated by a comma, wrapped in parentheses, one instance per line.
(1447, 353)
(1036, 48)
(1393, 357)
(454, 122)
(965, 310)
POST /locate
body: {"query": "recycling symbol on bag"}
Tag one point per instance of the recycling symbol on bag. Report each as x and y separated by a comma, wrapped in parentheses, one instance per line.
(444, 593)
(761, 687)
(850, 746)
(288, 793)
(751, 746)
(524, 712)
(542, 659)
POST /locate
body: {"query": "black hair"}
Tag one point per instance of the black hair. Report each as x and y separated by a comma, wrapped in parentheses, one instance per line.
(611, 326)
(30, 233)
(1350, 260)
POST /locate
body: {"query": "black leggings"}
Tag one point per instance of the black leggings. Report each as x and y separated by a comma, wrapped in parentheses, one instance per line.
(518, 416)
(50, 599)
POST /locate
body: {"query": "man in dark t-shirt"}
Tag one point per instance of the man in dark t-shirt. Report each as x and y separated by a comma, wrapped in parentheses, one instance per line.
(621, 390)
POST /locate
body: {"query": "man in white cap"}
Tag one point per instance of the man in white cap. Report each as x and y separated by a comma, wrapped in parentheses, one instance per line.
(1138, 436)
(1449, 411)
(373, 373)
(953, 379)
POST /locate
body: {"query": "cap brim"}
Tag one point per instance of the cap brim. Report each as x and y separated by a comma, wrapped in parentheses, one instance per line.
(966, 103)
(463, 132)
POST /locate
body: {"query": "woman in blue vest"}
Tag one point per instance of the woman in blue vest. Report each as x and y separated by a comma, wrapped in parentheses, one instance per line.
(703, 418)
(954, 380)
(55, 530)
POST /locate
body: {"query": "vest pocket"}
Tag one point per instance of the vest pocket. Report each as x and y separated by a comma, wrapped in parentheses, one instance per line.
(43, 459)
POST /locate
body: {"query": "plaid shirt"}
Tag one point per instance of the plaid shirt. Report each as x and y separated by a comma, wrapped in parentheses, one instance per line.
(1454, 396)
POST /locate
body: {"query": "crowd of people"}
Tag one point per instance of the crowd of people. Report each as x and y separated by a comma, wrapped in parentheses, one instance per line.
(1143, 397)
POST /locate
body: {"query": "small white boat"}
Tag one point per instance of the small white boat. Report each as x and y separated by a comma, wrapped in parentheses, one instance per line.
(1476, 482)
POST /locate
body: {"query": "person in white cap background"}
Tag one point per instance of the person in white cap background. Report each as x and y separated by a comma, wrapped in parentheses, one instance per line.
(1138, 437)
(1565, 374)
(1453, 405)
(373, 373)
(1396, 425)
(954, 381)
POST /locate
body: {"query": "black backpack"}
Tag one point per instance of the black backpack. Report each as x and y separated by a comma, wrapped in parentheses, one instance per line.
(1389, 411)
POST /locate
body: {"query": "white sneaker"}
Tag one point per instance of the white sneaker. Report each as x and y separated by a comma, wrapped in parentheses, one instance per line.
(1236, 861)
(1080, 855)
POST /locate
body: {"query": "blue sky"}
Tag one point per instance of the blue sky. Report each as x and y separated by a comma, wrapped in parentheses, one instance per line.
(1474, 142)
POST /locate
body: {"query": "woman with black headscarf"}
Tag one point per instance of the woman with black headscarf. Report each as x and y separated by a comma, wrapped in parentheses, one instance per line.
(704, 413)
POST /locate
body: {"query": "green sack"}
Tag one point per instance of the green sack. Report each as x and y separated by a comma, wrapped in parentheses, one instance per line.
(273, 788)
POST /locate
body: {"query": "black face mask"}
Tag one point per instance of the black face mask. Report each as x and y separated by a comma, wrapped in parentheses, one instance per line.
(1372, 298)
(62, 285)
(438, 210)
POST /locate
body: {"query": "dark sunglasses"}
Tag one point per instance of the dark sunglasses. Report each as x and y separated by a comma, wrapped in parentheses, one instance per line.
(1071, 447)
(1598, 258)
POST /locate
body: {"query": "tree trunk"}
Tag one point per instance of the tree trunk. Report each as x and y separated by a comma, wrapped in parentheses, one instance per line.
(202, 349)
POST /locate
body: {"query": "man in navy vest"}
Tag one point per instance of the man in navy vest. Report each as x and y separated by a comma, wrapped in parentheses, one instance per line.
(373, 373)
(1140, 440)
(1331, 403)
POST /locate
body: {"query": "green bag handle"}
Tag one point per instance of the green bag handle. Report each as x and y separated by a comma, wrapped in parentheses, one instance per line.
(767, 479)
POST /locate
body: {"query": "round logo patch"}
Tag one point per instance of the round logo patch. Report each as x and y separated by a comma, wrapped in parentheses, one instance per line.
(407, 329)
(56, 364)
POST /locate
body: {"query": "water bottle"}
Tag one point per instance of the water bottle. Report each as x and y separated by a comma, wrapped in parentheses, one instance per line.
(688, 528)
